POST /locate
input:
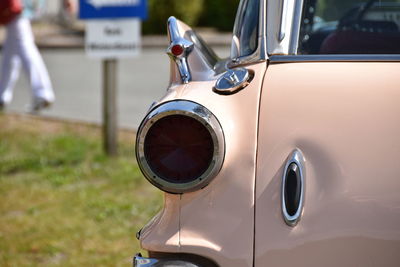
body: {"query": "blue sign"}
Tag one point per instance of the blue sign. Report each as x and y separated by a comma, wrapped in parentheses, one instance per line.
(112, 9)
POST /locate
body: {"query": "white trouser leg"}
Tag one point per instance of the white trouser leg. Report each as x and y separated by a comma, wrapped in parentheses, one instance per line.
(33, 63)
(10, 67)
(22, 39)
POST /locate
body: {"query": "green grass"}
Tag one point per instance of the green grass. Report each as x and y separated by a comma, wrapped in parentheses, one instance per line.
(62, 202)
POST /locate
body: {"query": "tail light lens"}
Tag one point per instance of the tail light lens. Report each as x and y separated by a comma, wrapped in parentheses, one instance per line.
(180, 146)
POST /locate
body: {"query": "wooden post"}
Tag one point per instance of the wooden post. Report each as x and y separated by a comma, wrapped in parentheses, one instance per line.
(110, 128)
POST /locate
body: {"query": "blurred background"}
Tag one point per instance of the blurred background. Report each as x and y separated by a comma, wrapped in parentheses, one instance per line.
(77, 79)
(63, 202)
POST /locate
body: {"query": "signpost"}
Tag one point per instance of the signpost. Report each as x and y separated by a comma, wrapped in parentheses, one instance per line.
(112, 31)
(110, 39)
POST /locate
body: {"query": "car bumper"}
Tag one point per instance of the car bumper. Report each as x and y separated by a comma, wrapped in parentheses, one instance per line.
(139, 261)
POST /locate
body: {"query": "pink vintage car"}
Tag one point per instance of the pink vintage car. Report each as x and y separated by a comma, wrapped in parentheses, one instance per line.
(286, 153)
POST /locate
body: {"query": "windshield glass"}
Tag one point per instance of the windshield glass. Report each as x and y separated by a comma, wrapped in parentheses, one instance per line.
(350, 27)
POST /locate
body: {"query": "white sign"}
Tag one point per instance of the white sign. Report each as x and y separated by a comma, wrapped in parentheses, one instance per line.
(119, 38)
(104, 3)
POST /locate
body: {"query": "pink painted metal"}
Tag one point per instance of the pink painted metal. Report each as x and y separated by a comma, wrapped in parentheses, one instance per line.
(216, 222)
(344, 117)
(162, 232)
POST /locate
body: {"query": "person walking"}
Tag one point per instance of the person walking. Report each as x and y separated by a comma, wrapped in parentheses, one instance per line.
(19, 48)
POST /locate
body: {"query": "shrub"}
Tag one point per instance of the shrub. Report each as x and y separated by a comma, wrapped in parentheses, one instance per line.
(219, 14)
(160, 10)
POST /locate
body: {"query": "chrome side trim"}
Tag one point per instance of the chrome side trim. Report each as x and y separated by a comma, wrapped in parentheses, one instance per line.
(176, 38)
(283, 26)
(333, 58)
(261, 51)
(263, 31)
(282, 32)
(296, 24)
(197, 112)
(297, 158)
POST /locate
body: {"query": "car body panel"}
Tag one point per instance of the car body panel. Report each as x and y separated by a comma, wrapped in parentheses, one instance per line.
(338, 111)
(207, 227)
(344, 117)
(162, 232)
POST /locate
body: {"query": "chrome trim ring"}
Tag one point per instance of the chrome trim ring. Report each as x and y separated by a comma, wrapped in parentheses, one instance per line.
(197, 112)
(297, 158)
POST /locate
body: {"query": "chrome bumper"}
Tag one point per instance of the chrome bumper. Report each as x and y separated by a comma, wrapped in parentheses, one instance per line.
(139, 261)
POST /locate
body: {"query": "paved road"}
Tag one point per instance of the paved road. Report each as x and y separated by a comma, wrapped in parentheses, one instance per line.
(77, 83)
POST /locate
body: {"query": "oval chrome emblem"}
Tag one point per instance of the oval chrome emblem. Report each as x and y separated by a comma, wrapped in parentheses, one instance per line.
(232, 81)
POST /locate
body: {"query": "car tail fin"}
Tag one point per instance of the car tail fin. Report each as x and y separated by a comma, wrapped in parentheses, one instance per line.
(191, 58)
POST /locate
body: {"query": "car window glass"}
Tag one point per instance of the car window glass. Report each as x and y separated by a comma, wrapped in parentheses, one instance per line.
(350, 27)
(246, 27)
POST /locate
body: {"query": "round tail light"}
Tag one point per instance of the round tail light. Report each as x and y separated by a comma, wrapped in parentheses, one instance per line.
(180, 146)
